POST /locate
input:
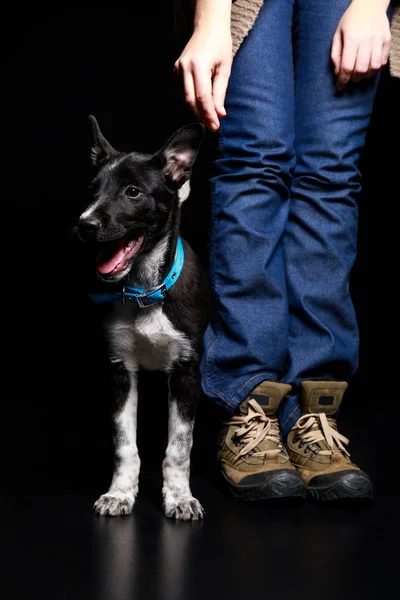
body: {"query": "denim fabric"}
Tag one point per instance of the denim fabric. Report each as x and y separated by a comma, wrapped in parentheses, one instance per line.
(284, 210)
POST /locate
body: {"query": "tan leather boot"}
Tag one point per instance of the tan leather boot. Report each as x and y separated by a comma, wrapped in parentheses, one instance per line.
(253, 458)
(318, 450)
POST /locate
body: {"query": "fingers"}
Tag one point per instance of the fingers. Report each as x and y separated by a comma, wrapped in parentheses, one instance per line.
(205, 108)
(220, 84)
(359, 60)
(336, 52)
(188, 89)
(347, 64)
(386, 48)
(362, 61)
(361, 44)
(376, 58)
(198, 93)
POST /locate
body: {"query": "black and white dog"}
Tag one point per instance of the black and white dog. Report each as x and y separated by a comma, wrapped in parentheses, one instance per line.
(157, 311)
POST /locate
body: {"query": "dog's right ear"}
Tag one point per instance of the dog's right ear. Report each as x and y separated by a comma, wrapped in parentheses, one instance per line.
(101, 149)
(179, 154)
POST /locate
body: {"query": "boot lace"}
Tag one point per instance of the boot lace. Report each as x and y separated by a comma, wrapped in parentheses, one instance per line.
(317, 427)
(254, 428)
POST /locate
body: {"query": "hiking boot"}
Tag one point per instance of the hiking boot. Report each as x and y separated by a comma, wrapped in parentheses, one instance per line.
(318, 450)
(253, 458)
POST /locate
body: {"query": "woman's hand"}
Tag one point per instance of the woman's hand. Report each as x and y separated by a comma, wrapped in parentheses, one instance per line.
(205, 67)
(361, 42)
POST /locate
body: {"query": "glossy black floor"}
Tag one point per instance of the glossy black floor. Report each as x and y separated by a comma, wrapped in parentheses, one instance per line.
(54, 547)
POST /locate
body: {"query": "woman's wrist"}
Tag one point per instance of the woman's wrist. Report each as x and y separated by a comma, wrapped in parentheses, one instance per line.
(212, 15)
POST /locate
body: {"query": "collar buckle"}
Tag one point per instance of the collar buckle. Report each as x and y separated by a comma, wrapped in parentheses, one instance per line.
(141, 301)
(145, 300)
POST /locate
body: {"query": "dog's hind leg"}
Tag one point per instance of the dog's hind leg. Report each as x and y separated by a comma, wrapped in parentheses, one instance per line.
(184, 394)
(120, 498)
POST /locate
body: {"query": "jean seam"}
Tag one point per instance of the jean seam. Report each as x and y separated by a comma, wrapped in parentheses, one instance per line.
(207, 367)
(213, 283)
(290, 415)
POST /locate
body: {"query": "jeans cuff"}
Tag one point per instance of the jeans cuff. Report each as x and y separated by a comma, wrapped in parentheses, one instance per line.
(242, 389)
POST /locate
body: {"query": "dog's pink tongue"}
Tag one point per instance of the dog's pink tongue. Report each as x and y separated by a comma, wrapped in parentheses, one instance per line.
(108, 265)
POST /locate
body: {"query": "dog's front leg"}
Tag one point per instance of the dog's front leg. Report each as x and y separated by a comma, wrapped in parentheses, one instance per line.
(121, 496)
(184, 393)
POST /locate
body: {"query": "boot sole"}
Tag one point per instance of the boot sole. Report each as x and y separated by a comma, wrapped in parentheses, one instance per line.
(349, 487)
(277, 485)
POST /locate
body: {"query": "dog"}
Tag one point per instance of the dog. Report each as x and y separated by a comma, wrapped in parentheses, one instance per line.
(153, 284)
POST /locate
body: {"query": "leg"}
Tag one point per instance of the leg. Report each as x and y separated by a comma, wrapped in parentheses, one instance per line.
(246, 342)
(121, 496)
(321, 237)
(184, 386)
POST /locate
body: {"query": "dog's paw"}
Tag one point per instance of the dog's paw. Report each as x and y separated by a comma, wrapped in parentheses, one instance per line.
(114, 504)
(185, 509)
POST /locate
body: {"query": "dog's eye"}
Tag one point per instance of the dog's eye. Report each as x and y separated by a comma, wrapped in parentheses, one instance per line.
(132, 192)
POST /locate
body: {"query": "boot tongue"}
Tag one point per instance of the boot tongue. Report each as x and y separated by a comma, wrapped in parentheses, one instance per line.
(321, 396)
(268, 395)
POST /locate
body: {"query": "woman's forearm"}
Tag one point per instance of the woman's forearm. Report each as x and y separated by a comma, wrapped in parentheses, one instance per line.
(210, 13)
(205, 63)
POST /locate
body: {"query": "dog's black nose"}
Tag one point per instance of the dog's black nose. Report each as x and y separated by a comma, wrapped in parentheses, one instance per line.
(88, 227)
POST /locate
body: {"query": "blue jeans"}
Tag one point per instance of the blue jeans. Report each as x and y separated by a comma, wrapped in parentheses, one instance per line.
(284, 210)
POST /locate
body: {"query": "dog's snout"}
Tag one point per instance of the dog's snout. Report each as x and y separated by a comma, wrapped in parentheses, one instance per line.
(89, 226)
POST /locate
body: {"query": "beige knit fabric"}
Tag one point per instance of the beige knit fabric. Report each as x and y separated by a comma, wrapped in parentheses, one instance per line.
(395, 46)
(244, 14)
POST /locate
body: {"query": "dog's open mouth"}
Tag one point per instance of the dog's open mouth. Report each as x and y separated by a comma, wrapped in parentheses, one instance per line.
(115, 258)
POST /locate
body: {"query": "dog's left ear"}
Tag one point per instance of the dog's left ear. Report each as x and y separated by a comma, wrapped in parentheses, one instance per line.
(101, 148)
(179, 154)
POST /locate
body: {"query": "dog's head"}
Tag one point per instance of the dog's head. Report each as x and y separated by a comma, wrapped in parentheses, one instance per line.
(134, 196)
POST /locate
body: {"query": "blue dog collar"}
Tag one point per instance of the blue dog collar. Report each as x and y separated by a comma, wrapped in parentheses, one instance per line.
(141, 297)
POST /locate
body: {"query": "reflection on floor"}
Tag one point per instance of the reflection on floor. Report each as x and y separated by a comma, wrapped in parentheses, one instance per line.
(54, 547)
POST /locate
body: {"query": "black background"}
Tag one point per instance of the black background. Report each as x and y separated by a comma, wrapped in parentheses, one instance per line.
(117, 63)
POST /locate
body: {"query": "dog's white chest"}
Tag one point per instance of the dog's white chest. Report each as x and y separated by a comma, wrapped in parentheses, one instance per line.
(147, 338)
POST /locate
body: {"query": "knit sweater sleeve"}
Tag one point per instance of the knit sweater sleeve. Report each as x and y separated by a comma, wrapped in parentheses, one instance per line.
(395, 45)
(243, 16)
